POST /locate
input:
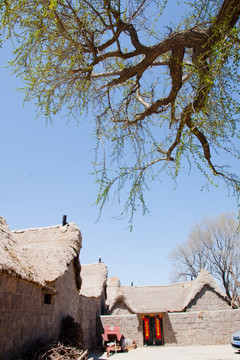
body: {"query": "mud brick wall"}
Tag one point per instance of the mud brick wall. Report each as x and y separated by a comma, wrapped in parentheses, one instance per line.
(185, 328)
(24, 318)
(129, 326)
(89, 309)
(208, 299)
(203, 327)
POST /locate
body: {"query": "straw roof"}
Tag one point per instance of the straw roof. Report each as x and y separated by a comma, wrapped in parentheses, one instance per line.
(12, 261)
(156, 299)
(38, 255)
(94, 279)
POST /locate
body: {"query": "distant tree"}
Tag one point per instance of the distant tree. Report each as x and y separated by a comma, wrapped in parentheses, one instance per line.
(162, 96)
(214, 245)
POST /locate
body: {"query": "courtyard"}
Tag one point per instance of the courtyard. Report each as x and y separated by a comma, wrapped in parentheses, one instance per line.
(201, 352)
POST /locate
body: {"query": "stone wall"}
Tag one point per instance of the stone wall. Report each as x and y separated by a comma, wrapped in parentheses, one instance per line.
(25, 318)
(188, 328)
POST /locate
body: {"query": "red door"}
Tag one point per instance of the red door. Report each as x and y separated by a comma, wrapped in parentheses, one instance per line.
(152, 330)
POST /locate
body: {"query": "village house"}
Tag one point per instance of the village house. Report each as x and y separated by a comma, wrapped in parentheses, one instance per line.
(194, 312)
(39, 284)
(42, 283)
(202, 293)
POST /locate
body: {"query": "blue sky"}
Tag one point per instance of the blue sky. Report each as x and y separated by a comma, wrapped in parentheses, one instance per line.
(46, 173)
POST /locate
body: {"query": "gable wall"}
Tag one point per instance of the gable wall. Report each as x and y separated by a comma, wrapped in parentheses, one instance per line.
(67, 298)
(207, 299)
(24, 318)
(120, 309)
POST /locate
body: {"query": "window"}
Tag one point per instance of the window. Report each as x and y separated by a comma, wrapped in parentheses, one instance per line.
(48, 299)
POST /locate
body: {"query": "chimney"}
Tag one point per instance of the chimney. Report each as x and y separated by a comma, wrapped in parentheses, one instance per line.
(64, 220)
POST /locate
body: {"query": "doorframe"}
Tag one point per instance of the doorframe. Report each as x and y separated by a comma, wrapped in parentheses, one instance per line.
(150, 333)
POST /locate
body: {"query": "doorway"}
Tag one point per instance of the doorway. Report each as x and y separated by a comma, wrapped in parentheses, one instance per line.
(152, 330)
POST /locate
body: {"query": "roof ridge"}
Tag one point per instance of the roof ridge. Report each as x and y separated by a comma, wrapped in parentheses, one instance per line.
(42, 228)
(96, 263)
(157, 286)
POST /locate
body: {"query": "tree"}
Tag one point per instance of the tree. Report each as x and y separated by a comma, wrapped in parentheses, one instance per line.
(162, 96)
(214, 245)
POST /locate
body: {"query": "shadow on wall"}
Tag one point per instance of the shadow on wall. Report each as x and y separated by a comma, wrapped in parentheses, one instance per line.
(168, 332)
(100, 331)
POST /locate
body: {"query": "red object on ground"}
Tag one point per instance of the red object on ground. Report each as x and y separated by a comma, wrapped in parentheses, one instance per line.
(112, 333)
(112, 338)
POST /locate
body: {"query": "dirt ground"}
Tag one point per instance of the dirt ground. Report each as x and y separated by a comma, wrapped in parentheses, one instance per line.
(201, 352)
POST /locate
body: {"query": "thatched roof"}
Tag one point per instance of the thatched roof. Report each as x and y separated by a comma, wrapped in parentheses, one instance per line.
(38, 255)
(157, 299)
(94, 279)
(13, 261)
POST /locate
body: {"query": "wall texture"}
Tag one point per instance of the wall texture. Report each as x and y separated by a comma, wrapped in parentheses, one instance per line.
(24, 318)
(203, 327)
(129, 325)
(89, 310)
(208, 299)
(120, 308)
(185, 328)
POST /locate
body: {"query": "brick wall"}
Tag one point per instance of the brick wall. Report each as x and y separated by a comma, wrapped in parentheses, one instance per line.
(188, 328)
(206, 327)
(19, 302)
(129, 325)
(24, 318)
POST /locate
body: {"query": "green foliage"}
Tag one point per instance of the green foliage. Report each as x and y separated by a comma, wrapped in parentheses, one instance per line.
(162, 95)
